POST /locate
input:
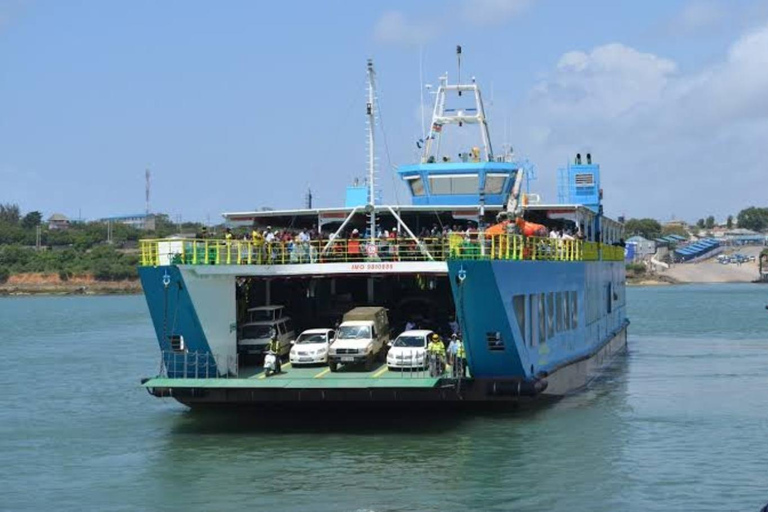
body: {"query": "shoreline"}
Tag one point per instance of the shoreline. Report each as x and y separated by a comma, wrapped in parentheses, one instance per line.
(51, 284)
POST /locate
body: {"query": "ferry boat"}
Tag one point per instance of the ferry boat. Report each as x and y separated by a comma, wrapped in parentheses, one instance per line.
(538, 314)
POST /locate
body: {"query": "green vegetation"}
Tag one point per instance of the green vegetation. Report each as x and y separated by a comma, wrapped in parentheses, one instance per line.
(648, 228)
(753, 218)
(80, 249)
(104, 262)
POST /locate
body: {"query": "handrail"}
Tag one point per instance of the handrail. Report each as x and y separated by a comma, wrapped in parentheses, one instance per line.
(158, 252)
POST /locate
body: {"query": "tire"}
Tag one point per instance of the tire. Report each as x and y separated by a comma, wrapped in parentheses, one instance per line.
(369, 362)
(332, 366)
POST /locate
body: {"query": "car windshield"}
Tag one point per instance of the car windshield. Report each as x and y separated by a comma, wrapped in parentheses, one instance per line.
(306, 339)
(255, 332)
(410, 341)
(353, 332)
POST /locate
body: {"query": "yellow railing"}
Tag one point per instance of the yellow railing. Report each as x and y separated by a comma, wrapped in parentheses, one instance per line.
(455, 246)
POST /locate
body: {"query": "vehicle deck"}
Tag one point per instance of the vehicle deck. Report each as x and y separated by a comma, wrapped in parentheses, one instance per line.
(308, 377)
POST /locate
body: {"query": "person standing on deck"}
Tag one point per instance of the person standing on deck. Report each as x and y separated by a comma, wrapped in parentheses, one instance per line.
(460, 360)
(257, 239)
(452, 350)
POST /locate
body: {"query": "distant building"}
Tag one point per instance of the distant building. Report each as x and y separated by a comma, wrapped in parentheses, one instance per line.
(675, 224)
(58, 221)
(138, 221)
(643, 246)
(741, 236)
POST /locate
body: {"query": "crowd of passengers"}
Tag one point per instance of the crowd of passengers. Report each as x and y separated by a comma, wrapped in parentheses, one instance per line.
(390, 244)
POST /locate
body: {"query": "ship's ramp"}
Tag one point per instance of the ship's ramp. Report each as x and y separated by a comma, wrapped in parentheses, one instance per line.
(307, 378)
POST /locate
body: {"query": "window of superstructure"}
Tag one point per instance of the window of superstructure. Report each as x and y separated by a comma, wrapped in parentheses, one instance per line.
(550, 315)
(494, 183)
(531, 305)
(448, 184)
(559, 312)
(574, 310)
(542, 319)
(518, 304)
(416, 185)
(567, 310)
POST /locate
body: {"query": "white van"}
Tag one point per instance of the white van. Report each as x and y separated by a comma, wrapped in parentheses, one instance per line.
(266, 321)
(361, 338)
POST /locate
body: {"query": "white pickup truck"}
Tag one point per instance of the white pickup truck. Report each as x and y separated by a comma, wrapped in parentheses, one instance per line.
(361, 338)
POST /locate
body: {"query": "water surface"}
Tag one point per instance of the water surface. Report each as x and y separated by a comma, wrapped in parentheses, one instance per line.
(680, 423)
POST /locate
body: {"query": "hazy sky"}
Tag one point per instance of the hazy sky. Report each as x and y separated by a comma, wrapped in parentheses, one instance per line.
(239, 105)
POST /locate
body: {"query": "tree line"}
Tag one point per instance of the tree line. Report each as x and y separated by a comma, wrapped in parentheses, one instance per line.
(753, 218)
(82, 248)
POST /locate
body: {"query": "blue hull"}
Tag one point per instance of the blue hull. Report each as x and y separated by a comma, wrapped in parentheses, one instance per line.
(527, 319)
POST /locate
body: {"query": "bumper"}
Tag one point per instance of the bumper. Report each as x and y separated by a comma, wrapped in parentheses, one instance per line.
(407, 363)
(313, 359)
(348, 358)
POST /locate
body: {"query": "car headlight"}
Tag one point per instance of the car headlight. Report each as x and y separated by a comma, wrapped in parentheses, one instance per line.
(321, 351)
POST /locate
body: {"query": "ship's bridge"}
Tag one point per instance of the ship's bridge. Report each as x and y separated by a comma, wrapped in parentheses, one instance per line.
(459, 183)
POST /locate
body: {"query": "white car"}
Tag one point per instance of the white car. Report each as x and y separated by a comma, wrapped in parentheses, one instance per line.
(409, 350)
(311, 347)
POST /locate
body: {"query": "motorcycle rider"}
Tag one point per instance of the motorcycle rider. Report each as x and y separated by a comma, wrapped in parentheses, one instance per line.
(436, 350)
(274, 346)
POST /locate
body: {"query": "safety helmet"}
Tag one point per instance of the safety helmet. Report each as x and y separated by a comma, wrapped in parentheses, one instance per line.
(453, 336)
(434, 336)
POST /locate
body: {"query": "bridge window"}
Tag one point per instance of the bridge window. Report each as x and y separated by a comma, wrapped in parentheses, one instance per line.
(494, 183)
(416, 185)
(448, 184)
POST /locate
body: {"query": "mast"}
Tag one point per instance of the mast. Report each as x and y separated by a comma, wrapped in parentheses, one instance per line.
(371, 114)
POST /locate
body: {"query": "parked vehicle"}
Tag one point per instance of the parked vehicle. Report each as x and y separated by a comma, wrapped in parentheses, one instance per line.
(312, 346)
(254, 336)
(361, 338)
(409, 350)
(265, 313)
(270, 363)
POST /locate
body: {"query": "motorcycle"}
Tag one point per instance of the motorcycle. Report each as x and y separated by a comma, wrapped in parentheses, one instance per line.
(436, 365)
(271, 365)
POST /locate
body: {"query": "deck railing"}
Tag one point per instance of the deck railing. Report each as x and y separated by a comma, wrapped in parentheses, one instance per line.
(497, 247)
(197, 365)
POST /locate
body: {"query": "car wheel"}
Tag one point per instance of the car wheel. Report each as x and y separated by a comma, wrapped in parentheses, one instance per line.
(369, 362)
(332, 366)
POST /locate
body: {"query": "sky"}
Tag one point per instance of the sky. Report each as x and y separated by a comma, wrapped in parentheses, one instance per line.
(240, 105)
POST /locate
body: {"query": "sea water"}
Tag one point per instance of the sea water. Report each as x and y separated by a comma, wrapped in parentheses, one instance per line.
(679, 423)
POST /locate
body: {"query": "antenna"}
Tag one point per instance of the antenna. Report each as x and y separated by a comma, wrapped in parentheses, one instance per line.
(308, 198)
(371, 113)
(458, 58)
(421, 90)
(146, 190)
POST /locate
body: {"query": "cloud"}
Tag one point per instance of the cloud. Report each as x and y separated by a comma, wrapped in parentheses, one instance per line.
(494, 12)
(698, 16)
(394, 27)
(668, 141)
